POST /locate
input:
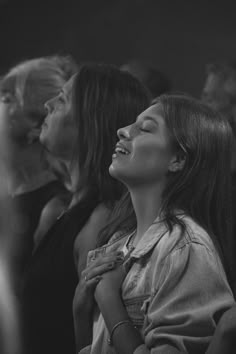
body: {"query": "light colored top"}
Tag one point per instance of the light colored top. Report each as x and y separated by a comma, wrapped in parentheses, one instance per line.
(175, 291)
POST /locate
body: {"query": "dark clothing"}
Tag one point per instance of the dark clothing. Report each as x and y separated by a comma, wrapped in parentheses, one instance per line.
(232, 242)
(27, 208)
(49, 286)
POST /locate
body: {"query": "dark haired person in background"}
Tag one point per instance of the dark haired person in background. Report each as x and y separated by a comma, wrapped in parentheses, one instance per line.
(79, 131)
(219, 92)
(172, 288)
(154, 80)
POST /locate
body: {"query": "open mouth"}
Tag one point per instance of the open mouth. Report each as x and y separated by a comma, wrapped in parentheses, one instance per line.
(121, 150)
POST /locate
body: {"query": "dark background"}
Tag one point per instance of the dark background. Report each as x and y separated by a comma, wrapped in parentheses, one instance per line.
(177, 37)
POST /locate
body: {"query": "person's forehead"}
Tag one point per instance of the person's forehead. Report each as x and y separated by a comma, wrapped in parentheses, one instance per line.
(8, 84)
(155, 111)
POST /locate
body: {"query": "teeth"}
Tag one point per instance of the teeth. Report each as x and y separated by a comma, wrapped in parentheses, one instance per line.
(122, 151)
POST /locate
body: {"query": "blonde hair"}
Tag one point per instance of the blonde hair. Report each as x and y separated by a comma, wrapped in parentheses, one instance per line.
(35, 81)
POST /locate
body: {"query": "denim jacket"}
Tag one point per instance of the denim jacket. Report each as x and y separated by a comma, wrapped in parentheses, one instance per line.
(175, 290)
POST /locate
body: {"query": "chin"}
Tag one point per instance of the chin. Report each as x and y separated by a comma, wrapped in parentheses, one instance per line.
(112, 171)
(116, 173)
(42, 136)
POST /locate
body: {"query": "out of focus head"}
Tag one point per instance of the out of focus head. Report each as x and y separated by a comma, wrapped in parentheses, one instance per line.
(154, 80)
(219, 90)
(93, 105)
(25, 89)
(59, 133)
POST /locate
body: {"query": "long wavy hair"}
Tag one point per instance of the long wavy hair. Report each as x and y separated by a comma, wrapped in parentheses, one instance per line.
(103, 99)
(202, 188)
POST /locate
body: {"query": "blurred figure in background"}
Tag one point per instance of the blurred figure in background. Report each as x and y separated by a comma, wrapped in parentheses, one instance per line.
(154, 80)
(23, 92)
(219, 92)
(10, 336)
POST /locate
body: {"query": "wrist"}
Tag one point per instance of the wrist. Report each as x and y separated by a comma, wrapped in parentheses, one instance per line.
(85, 310)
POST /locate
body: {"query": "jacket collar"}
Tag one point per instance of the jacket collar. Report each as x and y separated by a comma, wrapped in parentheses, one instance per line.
(151, 237)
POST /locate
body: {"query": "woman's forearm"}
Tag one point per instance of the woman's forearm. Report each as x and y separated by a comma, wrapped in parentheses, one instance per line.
(83, 324)
(125, 337)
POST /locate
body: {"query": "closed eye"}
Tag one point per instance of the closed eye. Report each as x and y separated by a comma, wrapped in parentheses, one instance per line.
(144, 130)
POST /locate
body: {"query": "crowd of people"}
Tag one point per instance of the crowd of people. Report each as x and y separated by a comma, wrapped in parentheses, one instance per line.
(117, 225)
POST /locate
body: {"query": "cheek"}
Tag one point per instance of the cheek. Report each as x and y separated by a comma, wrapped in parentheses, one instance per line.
(60, 141)
(147, 164)
(153, 156)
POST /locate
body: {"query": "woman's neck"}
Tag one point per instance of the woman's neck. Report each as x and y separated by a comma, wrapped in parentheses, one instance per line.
(146, 203)
(74, 184)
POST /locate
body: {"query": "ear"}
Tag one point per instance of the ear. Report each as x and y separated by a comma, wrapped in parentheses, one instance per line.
(177, 162)
(33, 135)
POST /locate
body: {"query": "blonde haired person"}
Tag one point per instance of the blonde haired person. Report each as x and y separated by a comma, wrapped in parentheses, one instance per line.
(23, 92)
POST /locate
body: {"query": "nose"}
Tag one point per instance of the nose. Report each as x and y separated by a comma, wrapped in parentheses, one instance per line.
(124, 133)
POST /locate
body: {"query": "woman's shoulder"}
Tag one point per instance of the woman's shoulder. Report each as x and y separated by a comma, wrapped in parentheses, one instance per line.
(86, 239)
(100, 214)
(186, 234)
(191, 233)
(96, 221)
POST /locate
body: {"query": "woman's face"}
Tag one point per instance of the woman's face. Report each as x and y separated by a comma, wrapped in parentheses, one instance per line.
(144, 152)
(58, 133)
(14, 122)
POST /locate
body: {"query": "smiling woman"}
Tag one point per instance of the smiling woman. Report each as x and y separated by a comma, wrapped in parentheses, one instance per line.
(149, 148)
(175, 161)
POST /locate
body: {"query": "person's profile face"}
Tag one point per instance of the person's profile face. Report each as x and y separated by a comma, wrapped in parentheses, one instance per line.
(14, 121)
(58, 132)
(144, 151)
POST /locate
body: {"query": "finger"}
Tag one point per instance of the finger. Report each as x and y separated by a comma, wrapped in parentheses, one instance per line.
(92, 283)
(99, 270)
(105, 259)
(108, 257)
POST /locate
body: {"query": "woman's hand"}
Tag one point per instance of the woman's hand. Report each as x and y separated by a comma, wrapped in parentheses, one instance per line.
(90, 277)
(83, 301)
(111, 282)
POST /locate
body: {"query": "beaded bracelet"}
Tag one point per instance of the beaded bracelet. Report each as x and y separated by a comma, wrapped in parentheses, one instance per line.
(110, 342)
